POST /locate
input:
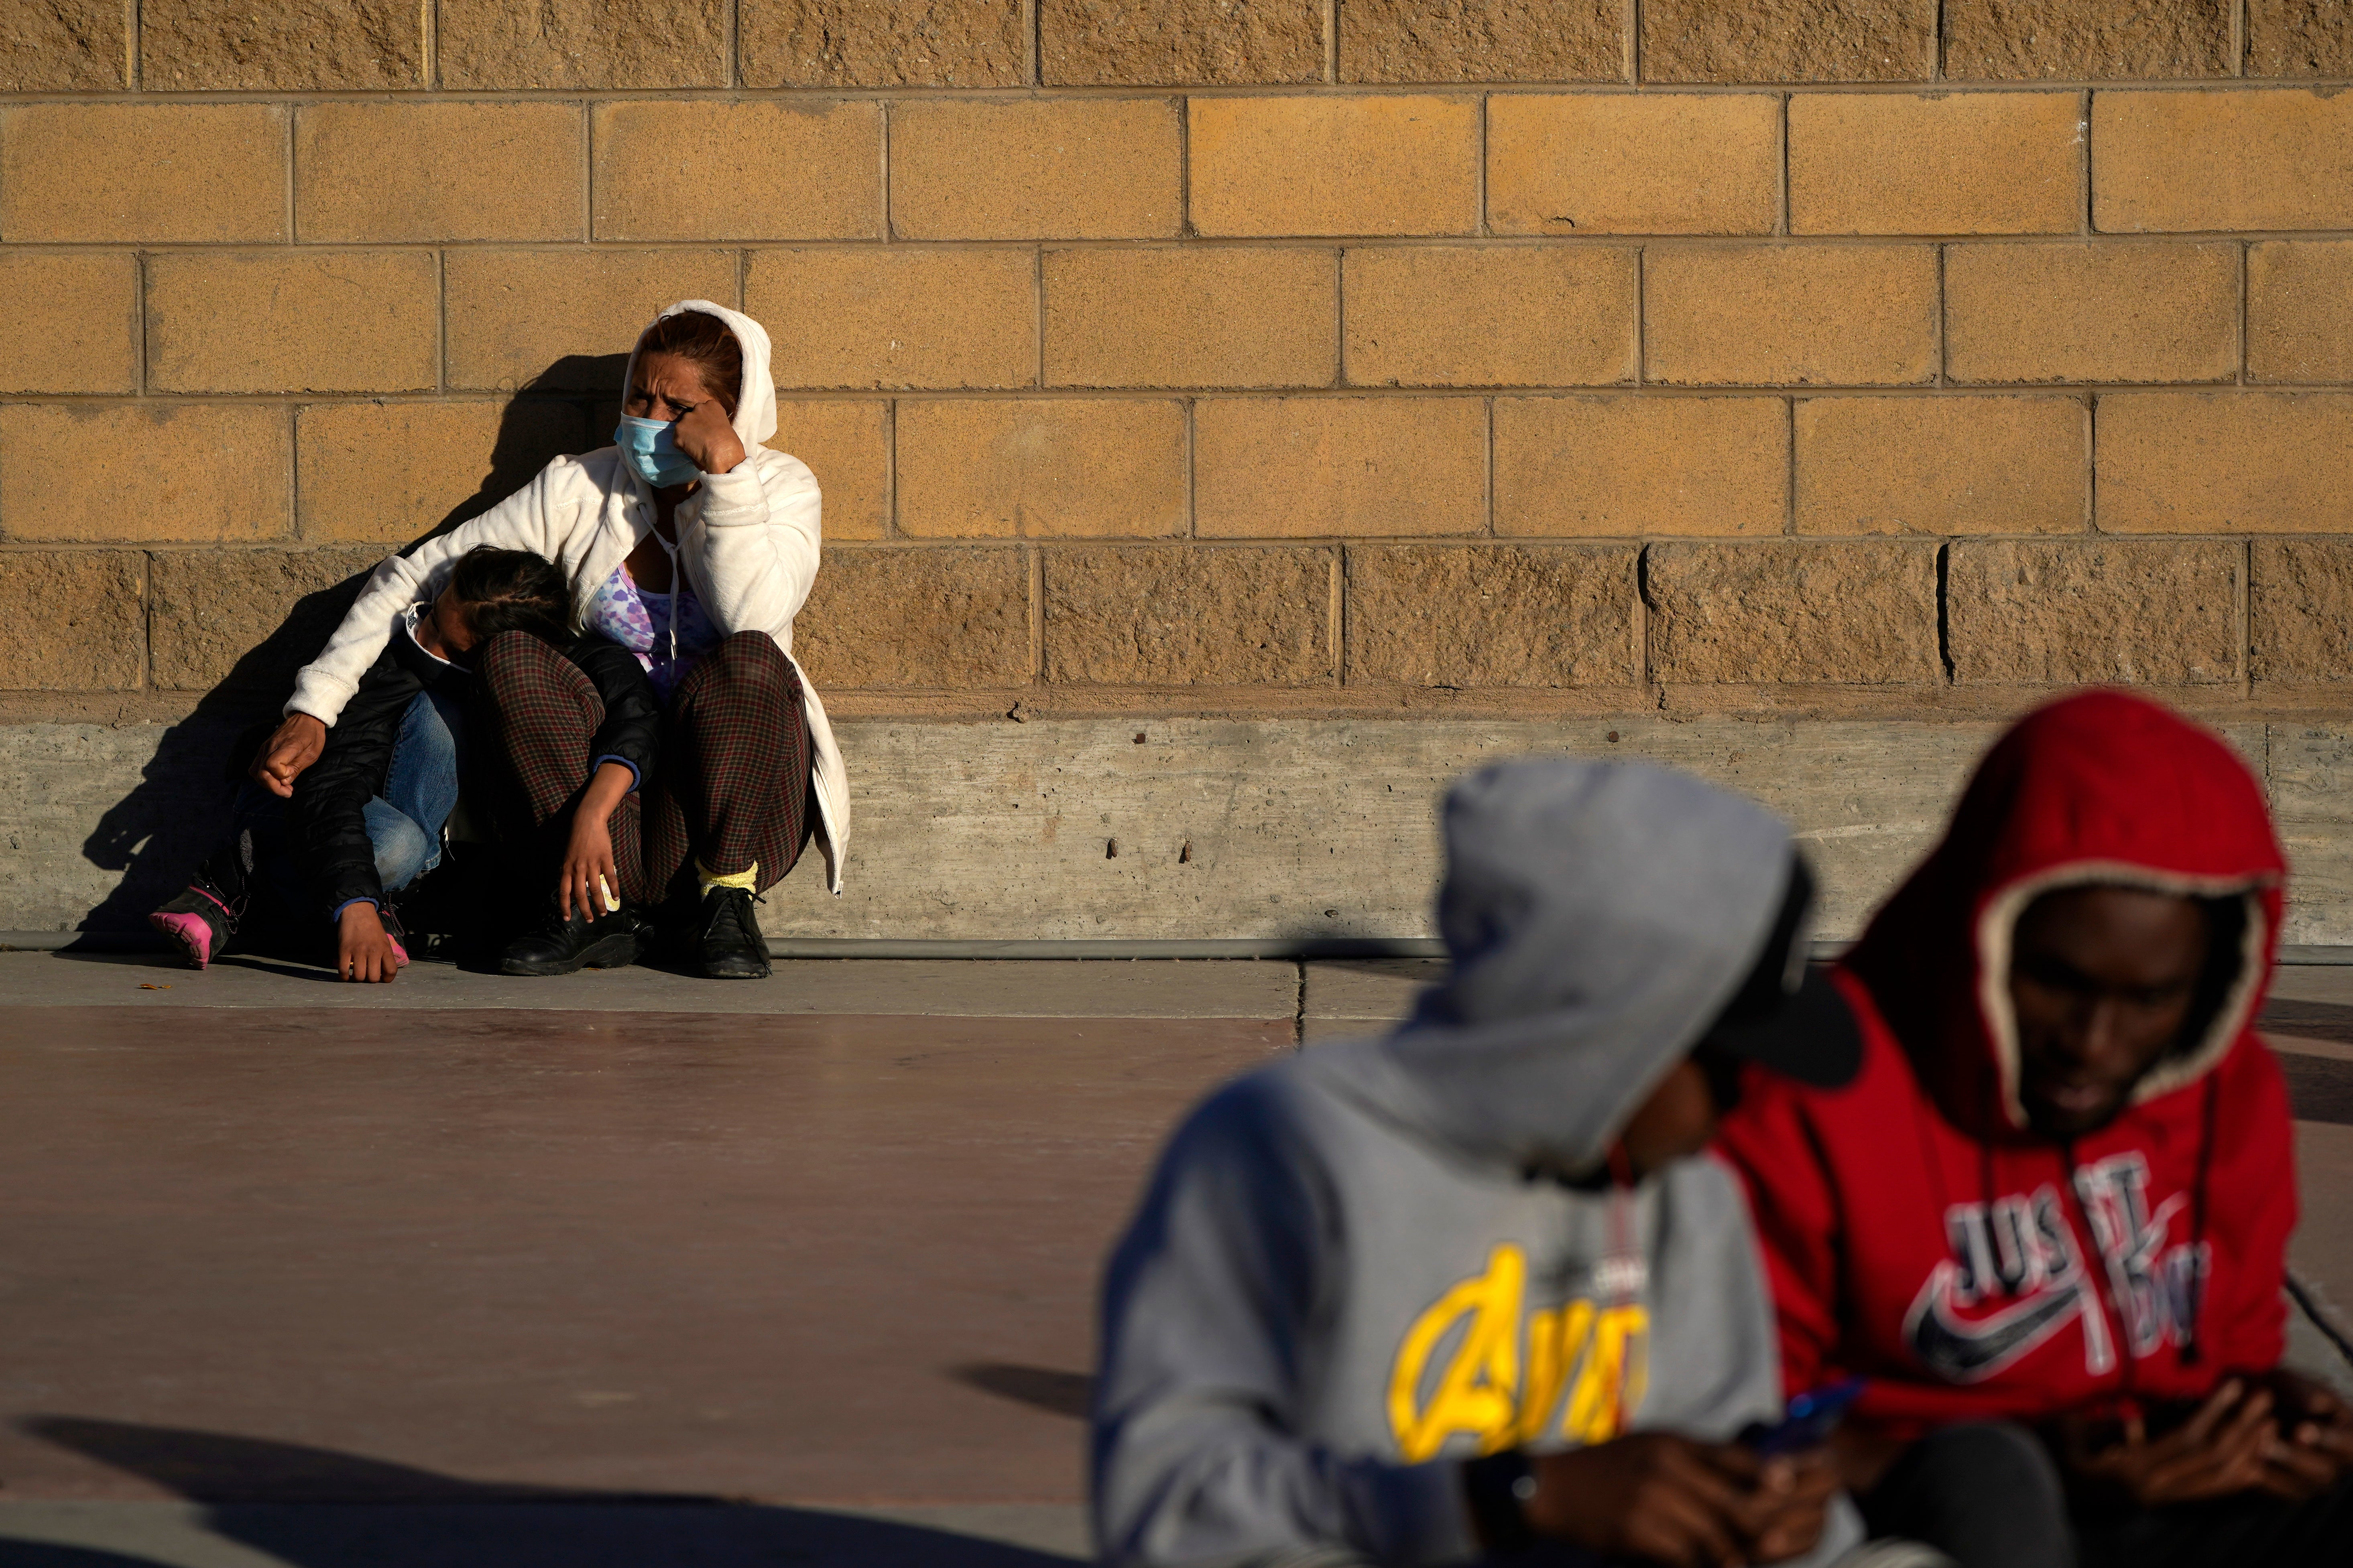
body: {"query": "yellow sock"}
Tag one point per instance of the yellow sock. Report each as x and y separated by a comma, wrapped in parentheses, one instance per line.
(706, 878)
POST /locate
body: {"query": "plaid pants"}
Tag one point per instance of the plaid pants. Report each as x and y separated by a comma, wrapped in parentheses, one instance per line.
(730, 786)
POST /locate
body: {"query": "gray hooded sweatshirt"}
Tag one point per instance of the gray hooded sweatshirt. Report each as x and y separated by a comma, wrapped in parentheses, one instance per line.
(1359, 1266)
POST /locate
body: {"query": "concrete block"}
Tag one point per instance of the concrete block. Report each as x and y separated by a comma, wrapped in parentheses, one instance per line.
(1318, 466)
(2258, 462)
(1488, 315)
(374, 172)
(1313, 165)
(847, 445)
(1177, 615)
(2127, 612)
(387, 473)
(72, 620)
(941, 620)
(145, 174)
(1943, 465)
(1092, 467)
(1212, 317)
(2300, 612)
(2070, 40)
(898, 317)
(291, 320)
(2299, 38)
(1287, 828)
(759, 170)
(2106, 310)
(1788, 40)
(1168, 43)
(1770, 315)
(74, 321)
(1483, 40)
(1052, 168)
(1242, 828)
(1860, 614)
(1979, 162)
(65, 46)
(247, 619)
(2236, 159)
(566, 319)
(1628, 466)
(1484, 616)
(495, 44)
(277, 45)
(1573, 164)
(2300, 311)
(208, 472)
(849, 43)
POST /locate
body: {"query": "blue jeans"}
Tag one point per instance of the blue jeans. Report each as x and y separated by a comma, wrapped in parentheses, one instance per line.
(404, 823)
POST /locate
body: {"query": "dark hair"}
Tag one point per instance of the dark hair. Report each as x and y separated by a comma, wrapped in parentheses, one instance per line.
(513, 591)
(706, 342)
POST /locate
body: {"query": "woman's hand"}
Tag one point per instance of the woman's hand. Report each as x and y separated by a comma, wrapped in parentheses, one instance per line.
(363, 950)
(589, 857)
(2225, 1448)
(704, 435)
(293, 746)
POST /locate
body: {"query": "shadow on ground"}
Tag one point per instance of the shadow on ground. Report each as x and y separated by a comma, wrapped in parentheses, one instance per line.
(314, 1508)
(156, 834)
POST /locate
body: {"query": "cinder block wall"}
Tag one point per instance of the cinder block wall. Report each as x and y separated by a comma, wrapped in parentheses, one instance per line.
(1264, 358)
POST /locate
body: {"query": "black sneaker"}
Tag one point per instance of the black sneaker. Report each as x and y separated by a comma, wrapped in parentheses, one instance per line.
(564, 945)
(199, 921)
(730, 946)
(202, 920)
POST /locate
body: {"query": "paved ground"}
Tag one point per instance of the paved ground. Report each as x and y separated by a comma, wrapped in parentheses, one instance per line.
(629, 1268)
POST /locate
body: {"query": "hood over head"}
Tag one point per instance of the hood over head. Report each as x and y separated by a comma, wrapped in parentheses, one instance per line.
(756, 400)
(1598, 916)
(2099, 788)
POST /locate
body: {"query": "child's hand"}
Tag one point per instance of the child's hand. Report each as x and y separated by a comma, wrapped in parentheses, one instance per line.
(590, 880)
(363, 950)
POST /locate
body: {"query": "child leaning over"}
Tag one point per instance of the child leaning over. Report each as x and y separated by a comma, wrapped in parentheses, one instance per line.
(365, 820)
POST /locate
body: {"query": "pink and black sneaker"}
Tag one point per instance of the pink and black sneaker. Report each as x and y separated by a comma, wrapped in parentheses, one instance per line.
(199, 921)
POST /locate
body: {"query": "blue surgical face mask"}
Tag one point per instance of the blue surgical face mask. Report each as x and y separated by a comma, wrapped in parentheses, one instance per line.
(650, 447)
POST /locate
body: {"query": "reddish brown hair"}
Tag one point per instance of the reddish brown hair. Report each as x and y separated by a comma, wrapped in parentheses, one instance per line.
(704, 341)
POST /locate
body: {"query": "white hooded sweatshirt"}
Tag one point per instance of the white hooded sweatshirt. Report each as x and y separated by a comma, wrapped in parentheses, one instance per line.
(747, 540)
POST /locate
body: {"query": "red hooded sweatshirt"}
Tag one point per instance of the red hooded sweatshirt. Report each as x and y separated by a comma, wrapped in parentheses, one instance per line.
(1917, 1233)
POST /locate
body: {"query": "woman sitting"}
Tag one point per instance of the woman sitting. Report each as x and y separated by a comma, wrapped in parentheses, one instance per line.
(366, 821)
(693, 546)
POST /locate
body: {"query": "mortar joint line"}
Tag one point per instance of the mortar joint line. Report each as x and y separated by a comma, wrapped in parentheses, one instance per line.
(734, 48)
(889, 214)
(1485, 229)
(1782, 225)
(428, 70)
(1033, 40)
(1331, 42)
(891, 468)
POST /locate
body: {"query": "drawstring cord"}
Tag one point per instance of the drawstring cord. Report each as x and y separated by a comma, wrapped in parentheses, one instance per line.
(2192, 1349)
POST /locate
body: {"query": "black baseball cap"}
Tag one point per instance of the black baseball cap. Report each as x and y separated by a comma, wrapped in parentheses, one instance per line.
(1787, 1015)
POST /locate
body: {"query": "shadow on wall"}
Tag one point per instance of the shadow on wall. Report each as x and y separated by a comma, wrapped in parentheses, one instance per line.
(267, 1495)
(155, 835)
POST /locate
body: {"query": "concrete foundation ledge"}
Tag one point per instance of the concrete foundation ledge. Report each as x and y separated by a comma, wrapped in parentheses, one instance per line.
(1279, 836)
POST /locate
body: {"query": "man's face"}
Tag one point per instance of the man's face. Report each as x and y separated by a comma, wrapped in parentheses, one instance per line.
(1674, 1123)
(2103, 979)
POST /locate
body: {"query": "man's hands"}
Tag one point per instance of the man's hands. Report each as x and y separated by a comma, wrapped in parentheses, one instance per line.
(1658, 1497)
(363, 950)
(294, 745)
(704, 434)
(2291, 1439)
(589, 854)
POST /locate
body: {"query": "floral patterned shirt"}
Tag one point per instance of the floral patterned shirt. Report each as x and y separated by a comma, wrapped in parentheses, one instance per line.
(620, 611)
